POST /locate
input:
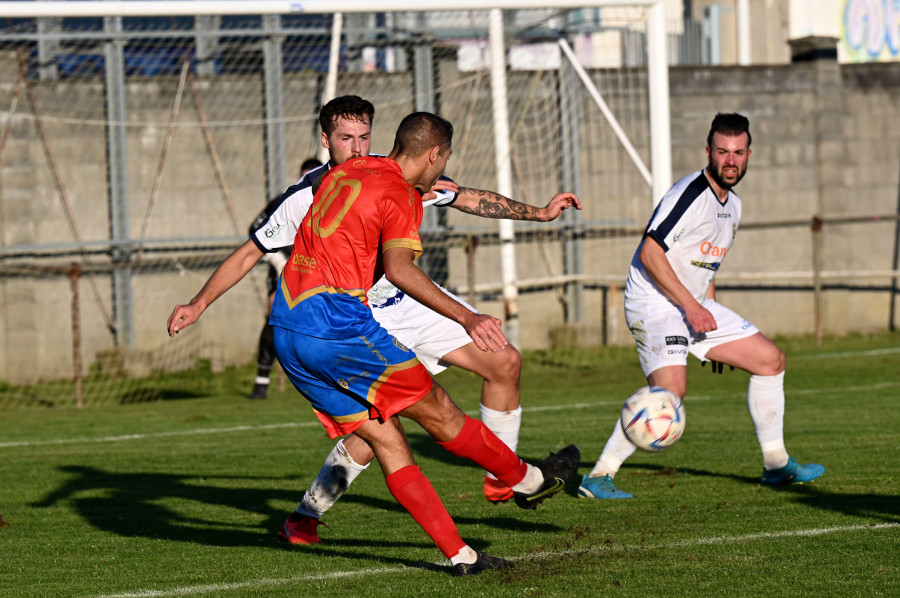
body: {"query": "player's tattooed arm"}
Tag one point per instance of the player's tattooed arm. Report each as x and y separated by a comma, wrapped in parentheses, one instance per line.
(488, 204)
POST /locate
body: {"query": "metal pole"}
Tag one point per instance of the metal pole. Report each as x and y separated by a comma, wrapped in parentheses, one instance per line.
(273, 76)
(660, 126)
(504, 173)
(191, 8)
(334, 60)
(119, 215)
(570, 170)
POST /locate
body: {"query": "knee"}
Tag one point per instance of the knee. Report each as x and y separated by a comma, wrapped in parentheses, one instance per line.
(774, 363)
(508, 366)
(780, 361)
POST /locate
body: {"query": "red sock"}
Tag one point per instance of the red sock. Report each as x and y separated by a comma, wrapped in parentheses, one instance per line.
(477, 443)
(413, 490)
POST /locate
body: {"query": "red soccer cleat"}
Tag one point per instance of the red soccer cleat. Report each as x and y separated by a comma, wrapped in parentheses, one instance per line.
(496, 491)
(301, 529)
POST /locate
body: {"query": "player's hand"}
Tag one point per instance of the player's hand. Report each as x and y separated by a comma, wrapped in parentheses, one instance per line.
(717, 366)
(442, 185)
(700, 319)
(182, 317)
(559, 204)
(485, 332)
(445, 185)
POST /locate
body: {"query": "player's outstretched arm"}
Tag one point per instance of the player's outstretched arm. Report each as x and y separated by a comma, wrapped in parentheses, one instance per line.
(228, 274)
(400, 270)
(488, 204)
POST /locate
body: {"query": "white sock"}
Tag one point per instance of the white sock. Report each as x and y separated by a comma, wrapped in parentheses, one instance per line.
(505, 424)
(336, 475)
(262, 380)
(617, 449)
(531, 482)
(765, 401)
(465, 555)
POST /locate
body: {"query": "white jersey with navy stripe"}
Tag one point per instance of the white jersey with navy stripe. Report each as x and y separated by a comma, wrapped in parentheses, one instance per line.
(695, 229)
(280, 228)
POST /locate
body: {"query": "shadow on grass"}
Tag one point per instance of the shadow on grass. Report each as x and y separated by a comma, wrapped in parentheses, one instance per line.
(880, 506)
(193, 509)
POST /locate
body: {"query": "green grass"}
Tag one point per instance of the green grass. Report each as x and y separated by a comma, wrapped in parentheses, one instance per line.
(184, 497)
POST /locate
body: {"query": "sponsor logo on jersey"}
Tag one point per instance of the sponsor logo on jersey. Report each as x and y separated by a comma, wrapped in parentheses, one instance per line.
(305, 263)
(722, 215)
(677, 340)
(706, 265)
(707, 248)
(271, 233)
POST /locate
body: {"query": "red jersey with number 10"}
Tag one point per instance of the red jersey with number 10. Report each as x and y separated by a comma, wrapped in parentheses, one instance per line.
(363, 207)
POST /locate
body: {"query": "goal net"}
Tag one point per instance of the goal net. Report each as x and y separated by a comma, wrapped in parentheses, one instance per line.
(138, 145)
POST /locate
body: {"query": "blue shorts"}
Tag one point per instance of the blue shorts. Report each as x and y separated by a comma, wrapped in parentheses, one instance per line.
(350, 381)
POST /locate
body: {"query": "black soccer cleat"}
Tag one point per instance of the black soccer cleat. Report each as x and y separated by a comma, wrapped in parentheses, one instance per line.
(259, 391)
(558, 469)
(484, 563)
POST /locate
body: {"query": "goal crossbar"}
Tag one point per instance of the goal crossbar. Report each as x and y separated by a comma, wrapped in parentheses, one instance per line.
(135, 8)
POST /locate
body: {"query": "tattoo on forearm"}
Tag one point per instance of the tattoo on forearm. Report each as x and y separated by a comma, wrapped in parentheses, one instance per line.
(494, 205)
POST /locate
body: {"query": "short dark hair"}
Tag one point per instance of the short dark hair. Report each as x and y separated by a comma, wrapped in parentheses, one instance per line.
(346, 107)
(309, 164)
(729, 124)
(420, 131)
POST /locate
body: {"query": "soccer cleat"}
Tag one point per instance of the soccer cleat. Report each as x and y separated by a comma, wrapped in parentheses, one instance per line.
(496, 491)
(792, 473)
(600, 487)
(558, 469)
(484, 563)
(301, 529)
(259, 391)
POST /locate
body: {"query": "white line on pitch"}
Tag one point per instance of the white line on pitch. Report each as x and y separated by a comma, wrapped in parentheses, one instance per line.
(864, 353)
(158, 434)
(534, 409)
(258, 583)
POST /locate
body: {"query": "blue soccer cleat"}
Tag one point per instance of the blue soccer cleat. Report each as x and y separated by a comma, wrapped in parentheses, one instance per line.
(792, 473)
(600, 488)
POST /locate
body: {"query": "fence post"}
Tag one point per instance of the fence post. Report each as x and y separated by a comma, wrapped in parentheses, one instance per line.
(471, 245)
(816, 228)
(74, 275)
(892, 325)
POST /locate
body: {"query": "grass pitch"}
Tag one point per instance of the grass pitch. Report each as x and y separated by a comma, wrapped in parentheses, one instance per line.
(184, 497)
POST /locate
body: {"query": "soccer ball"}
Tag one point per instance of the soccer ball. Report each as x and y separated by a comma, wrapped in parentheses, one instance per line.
(653, 418)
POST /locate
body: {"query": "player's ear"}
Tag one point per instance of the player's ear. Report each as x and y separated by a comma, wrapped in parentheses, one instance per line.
(325, 143)
(433, 154)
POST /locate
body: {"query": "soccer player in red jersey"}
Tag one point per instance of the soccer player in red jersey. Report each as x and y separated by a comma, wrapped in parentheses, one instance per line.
(364, 220)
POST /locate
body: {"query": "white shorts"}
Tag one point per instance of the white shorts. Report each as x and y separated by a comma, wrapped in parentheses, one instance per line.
(664, 338)
(429, 334)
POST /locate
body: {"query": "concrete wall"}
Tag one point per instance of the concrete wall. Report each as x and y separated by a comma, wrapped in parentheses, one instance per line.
(824, 142)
